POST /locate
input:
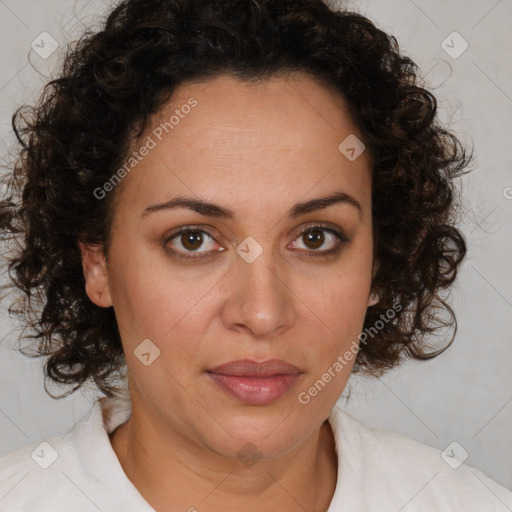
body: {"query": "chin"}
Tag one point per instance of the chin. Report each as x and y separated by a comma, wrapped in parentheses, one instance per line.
(255, 436)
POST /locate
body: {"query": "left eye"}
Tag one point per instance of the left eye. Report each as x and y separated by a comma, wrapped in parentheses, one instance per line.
(314, 237)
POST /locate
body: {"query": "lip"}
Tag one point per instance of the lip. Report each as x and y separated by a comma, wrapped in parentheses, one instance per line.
(256, 383)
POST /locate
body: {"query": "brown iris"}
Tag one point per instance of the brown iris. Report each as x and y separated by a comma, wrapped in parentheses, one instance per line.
(192, 240)
(314, 236)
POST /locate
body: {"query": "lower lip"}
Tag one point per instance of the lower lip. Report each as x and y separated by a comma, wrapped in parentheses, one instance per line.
(256, 390)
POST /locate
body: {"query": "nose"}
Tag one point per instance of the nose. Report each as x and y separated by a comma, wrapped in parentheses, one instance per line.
(260, 300)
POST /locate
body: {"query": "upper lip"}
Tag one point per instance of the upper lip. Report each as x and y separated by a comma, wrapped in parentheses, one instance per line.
(249, 368)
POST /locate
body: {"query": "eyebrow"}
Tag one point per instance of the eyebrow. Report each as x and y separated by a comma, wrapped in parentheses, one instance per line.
(212, 210)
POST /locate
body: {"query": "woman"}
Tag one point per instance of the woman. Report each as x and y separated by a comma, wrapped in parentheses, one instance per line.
(223, 199)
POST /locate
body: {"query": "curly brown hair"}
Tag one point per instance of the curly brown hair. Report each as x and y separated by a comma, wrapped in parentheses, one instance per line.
(113, 80)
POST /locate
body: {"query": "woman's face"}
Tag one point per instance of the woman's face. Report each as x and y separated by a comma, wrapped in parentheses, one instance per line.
(245, 285)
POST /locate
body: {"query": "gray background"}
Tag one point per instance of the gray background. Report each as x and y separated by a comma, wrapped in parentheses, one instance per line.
(465, 395)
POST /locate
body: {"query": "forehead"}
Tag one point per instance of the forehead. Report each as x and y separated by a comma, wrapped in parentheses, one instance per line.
(228, 135)
(293, 100)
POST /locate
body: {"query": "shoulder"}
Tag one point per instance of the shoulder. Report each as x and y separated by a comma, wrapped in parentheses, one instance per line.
(76, 471)
(28, 473)
(397, 472)
(48, 475)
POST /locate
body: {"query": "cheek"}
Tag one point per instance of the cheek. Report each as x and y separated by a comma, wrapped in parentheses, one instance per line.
(152, 307)
(173, 309)
(158, 309)
(338, 311)
(344, 290)
(339, 305)
(150, 300)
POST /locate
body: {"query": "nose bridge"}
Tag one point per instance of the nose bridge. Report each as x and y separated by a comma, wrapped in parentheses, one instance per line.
(260, 300)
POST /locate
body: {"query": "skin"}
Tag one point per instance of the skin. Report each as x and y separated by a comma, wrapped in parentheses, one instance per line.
(257, 149)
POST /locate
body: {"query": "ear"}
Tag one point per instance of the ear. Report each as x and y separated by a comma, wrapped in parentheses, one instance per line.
(373, 299)
(95, 272)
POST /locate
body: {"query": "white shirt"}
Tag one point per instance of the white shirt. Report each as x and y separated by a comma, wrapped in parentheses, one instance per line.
(378, 471)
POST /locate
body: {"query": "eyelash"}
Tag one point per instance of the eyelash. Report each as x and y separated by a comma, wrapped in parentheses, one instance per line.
(342, 239)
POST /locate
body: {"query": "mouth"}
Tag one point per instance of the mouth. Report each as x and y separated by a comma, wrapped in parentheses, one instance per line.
(256, 383)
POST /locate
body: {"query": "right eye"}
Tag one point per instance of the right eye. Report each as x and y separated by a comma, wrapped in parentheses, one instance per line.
(185, 243)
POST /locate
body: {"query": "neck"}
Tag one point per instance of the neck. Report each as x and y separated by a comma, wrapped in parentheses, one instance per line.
(172, 472)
